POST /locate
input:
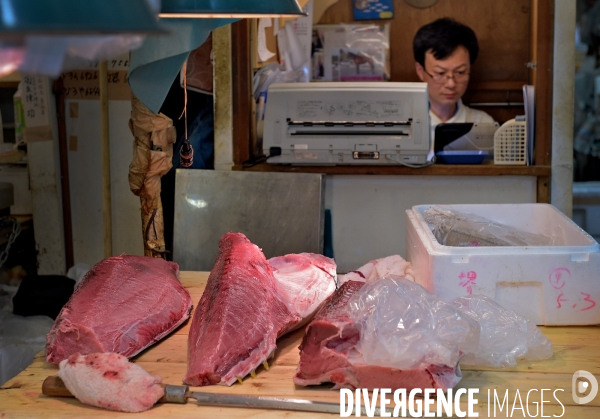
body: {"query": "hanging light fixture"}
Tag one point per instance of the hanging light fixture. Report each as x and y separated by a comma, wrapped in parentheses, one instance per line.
(81, 17)
(186, 9)
(36, 35)
(229, 8)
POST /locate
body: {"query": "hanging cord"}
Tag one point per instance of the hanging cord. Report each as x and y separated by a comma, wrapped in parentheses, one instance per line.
(414, 166)
(186, 153)
(273, 152)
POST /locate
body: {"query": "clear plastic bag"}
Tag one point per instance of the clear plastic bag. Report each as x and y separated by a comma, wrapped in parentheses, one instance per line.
(274, 73)
(20, 339)
(454, 228)
(351, 52)
(505, 337)
(403, 326)
(50, 55)
(7, 293)
(77, 272)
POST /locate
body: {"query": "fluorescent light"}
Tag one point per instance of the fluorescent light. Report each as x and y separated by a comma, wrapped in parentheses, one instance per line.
(68, 17)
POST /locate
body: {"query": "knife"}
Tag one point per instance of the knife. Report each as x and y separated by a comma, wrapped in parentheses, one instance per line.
(54, 386)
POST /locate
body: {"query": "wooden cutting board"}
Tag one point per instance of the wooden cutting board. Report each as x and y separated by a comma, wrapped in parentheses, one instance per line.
(575, 348)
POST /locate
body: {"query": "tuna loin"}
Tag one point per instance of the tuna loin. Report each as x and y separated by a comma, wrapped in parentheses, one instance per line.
(109, 381)
(304, 282)
(124, 304)
(239, 317)
(328, 354)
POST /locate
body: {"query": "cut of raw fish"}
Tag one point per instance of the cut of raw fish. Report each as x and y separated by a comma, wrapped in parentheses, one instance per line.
(328, 354)
(378, 268)
(123, 304)
(110, 381)
(304, 281)
(239, 317)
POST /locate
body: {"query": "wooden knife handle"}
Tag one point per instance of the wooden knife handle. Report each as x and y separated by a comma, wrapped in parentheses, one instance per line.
(54, 386)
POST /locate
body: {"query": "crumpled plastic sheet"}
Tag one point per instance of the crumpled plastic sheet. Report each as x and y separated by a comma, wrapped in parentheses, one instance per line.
(455, 228)
(77, 272)
(274, 73)
(7, 292)
(20, 339)
(505, 337)
(403, 326)
(51, 55)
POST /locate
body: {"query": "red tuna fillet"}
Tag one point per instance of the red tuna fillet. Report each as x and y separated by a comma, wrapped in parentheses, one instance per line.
(239, 317)
(304, 282)
(124, 304)
(328, 354)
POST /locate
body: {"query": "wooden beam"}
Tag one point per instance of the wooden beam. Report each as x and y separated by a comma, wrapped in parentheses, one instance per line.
(543, 55)
(433, 170)
(59, 94)
(241, 91)
(105, 138)
(543, 189)
(498, 85)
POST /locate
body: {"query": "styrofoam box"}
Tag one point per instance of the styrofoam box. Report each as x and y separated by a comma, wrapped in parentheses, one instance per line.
(550, 285)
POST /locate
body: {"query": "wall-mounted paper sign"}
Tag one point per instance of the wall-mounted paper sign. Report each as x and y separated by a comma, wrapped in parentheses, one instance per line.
(373, 9)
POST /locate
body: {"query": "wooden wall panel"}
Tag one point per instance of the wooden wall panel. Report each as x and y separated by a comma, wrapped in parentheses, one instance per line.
(543, 53)
(502, 28)
(241, 91)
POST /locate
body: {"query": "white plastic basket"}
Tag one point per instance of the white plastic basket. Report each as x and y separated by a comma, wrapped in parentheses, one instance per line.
(510, 143)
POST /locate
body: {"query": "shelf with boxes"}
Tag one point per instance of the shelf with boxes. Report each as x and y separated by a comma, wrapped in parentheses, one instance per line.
(507, 61)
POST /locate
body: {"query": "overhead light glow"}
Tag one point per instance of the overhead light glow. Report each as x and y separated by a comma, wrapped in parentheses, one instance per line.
(197, 203)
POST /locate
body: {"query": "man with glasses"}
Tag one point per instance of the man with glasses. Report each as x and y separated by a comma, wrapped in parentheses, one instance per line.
(444, 51)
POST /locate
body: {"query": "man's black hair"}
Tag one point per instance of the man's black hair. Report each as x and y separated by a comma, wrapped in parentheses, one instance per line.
(442, 37)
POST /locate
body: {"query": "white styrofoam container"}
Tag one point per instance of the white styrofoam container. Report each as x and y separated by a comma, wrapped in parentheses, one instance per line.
(550, 285)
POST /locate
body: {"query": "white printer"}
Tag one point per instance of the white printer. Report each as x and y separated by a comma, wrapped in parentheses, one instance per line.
(344, 123)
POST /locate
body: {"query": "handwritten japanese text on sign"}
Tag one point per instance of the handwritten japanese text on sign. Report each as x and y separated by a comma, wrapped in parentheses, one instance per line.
(84, 84)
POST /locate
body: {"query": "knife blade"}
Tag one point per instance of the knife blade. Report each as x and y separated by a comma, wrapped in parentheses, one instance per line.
(179, 394)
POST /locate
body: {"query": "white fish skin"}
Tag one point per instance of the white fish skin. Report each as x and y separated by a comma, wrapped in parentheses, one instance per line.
(110, 381)
(378, 268)
(304, 281)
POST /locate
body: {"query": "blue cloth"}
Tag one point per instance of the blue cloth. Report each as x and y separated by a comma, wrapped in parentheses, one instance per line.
(154, 66)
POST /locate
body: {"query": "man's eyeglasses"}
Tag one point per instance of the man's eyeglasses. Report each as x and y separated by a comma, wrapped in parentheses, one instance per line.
(458, 76)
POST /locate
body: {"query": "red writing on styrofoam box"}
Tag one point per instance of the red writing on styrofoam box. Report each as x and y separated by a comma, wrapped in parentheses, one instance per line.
(467, 280)
(581, 302)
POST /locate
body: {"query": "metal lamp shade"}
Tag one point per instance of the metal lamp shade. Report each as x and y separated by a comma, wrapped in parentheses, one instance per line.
(76, 17)
(229, 8)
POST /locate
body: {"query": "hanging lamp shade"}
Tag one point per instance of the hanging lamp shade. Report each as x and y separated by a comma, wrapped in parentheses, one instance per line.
(76, 17)
(229, 8)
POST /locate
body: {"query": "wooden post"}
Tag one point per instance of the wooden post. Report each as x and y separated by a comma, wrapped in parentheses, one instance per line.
(106, 197)
(61, 115)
